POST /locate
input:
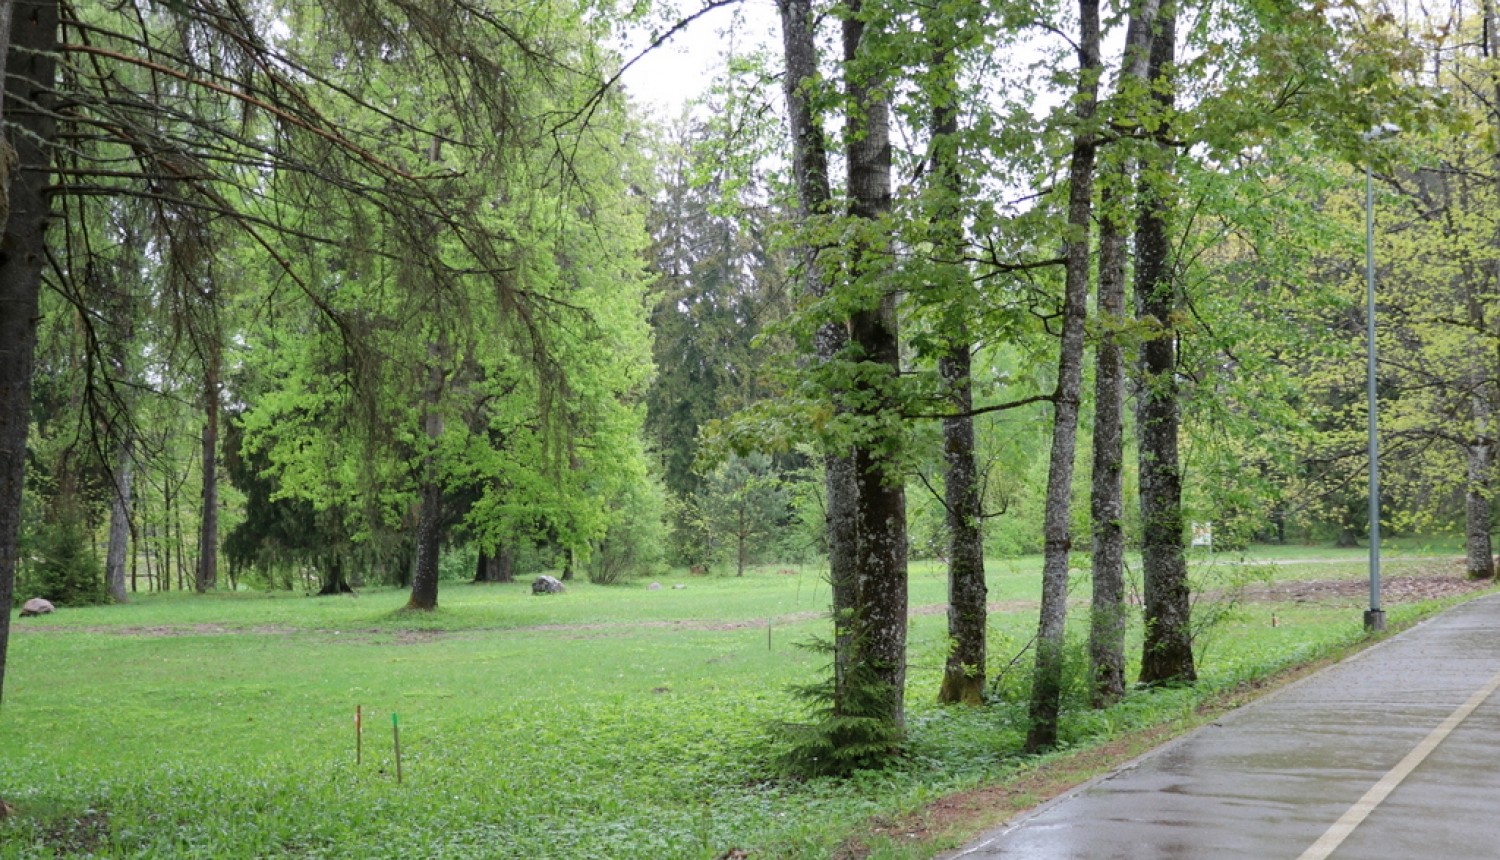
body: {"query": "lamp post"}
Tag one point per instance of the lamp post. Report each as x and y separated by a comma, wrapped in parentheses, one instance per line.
(1374, 616)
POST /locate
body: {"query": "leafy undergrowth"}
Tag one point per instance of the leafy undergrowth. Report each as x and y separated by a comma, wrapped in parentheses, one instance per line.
(620, 723)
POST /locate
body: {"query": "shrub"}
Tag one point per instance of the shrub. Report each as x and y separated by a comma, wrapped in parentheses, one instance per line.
(65, 569)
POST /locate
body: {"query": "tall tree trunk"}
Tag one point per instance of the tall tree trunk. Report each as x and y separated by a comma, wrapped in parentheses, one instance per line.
(208, 533)
(964, 669)
(879, 637)
(814, 194)
(1046, 688)
(1481, 456)
(963, 673)
(1481, 465)
(424, 578)
(1167, 653)
(1108, 613)
(135, 548)
(119, 524)
(28, 41)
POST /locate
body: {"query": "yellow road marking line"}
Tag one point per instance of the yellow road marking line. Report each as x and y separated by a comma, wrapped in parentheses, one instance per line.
(1357, 813)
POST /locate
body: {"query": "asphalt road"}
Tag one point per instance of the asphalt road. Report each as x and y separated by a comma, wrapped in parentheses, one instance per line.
(1393, 754)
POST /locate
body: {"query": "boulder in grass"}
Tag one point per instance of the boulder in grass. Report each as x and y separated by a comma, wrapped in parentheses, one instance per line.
(37, 606)
(547, 585)
(655, 586)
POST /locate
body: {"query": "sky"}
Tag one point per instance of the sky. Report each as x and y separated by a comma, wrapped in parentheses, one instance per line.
(666, 78)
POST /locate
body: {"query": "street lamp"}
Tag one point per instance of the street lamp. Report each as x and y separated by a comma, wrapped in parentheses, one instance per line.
(1374, 616)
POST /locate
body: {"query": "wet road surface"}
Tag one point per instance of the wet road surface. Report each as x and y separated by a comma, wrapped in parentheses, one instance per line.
(1393, 754)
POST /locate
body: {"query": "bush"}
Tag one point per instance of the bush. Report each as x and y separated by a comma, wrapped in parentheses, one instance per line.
(633, 546)
(65, 569)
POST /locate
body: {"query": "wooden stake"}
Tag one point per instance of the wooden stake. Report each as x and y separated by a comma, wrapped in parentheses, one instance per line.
(359, 734)
(396, 735)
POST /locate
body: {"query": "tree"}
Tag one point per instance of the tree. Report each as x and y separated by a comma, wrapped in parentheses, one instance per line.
(878, 634)
(1046, 695)
(814, 189)
(721, 293)
(853, 380)
(28, 40)
(964, 669)
(745, 500)
(314, 150)
(1167, 653)
(1439, 250)
(1108, 614)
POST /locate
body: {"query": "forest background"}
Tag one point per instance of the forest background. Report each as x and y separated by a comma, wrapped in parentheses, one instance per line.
(365, 293)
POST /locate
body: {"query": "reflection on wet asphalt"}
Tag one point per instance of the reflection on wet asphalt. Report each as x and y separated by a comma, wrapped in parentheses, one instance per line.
(1268, 780)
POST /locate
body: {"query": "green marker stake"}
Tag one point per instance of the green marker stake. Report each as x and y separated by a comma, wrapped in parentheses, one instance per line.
(396, 735)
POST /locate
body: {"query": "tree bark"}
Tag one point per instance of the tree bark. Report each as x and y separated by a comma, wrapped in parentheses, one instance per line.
(119, 524)
(30, 51)
(1167, 653)
(814, 195)
(879, 637)
(964, 670)
(334, 579)
(1481, 458)
(499, 566)
(1046, 688)
(1108, 614)
(208, 533)
(424, 578)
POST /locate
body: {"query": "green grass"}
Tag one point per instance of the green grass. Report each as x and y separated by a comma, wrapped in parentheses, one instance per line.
(606, 722)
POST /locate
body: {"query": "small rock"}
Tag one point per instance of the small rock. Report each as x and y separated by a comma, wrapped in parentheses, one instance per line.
(37, 606)
(655, 586)
(547, 585)
(678, 587)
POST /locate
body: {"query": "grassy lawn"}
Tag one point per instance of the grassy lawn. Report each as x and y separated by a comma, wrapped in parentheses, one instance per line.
(606, 722)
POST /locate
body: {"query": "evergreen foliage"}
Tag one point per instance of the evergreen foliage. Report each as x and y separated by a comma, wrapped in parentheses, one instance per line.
(65, 570)
(850, 727)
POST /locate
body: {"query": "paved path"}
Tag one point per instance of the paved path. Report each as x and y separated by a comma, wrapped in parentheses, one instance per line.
(1393, 754)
